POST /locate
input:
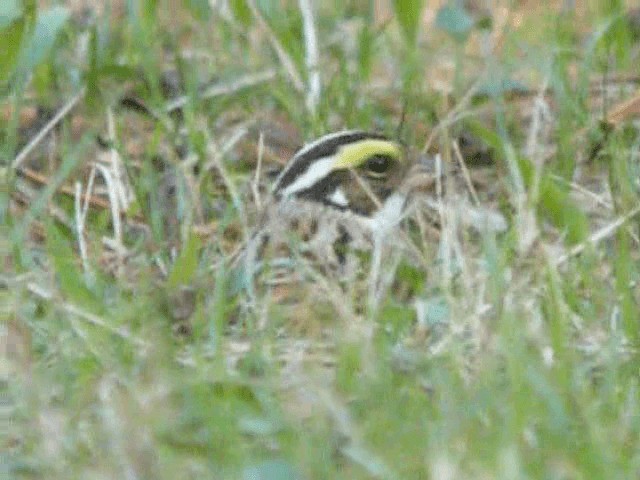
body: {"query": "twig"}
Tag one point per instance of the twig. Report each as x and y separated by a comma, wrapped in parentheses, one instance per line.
(311, 49)
(47, 128)
(598, 236)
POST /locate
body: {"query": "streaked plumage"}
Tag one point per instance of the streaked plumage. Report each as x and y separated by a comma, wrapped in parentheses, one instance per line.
(336, 195)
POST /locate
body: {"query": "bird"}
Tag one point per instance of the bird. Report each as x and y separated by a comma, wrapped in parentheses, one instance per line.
(338, 195)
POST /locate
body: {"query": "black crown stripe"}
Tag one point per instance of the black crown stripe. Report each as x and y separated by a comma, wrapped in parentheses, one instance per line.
(306, 156)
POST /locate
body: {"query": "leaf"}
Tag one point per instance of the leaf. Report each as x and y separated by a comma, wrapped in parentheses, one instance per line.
(239, 279)
(92, 73)
(65, 263)
(270, 470)
(118, 72)
(501, 85)
(598, 38)
(186, 264)
(10, 11)
(454, 20)
(409, 13)
(37, 47)
(218, 306)
(554, 203)
(432, 311)
(397, 316)
(11, 39)
(412, 275)
(257, 426)
(613, 38)
(491, 138)
(366, 40)
(241, 11)
(199, 8)
(149, 11)
(366, 459)
(40, 202)
(269, 8)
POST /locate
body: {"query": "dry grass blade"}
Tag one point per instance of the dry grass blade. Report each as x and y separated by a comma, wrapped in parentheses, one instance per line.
(226, 88)
(217, 154)
(625, 110)
(80, 225)
(312, 57)
(465, 173)
(66, 108)
(40, 179)
(367, 190)
(255, 185)
(584, 191)
(72, 309)
(455, 114)
(597, 237)
(285, 59)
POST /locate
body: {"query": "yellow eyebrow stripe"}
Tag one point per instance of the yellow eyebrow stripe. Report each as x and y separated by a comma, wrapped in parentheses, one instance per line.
(353, 154)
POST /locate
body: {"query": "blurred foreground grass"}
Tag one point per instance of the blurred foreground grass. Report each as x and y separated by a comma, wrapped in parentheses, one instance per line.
(506, 356)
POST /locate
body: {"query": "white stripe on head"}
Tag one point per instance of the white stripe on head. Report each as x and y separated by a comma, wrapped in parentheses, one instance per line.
(327, 137)
(305, 149)
(319, 169)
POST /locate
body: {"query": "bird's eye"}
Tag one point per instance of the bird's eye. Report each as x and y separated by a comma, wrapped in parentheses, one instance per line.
(378, 165)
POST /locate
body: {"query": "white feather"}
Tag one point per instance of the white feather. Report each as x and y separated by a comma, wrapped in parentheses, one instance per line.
(309, 147)
(338, 197)
(319, 169)
(323, 139)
